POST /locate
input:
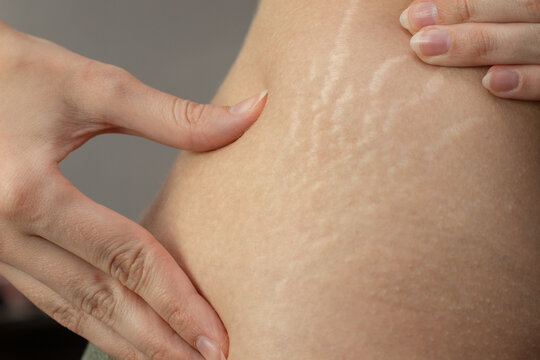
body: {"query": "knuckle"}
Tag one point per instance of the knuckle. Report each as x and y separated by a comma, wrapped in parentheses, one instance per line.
(69, 317)
(128, 354)
(14, 199)
(180, 317)
(188, 112)
(482, 43)
(27, 195)
(465, 10)
(100, 304)
(158, 354)
(130, 266)
(95, 83)
(113, 80)
(19, 200)
(191, 117)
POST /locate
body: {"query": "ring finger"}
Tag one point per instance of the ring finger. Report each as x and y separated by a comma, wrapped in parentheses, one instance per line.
(478, 44)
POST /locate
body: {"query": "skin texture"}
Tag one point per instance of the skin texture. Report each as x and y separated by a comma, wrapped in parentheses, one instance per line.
(380, 208)
(92, 270)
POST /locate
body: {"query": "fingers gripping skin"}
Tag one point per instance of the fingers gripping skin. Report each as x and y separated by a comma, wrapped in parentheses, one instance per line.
(123, 104)
(479, 33)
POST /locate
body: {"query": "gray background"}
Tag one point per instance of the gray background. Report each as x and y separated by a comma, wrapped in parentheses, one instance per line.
(184, 47)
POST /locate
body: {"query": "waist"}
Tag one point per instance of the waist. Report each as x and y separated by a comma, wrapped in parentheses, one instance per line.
(379, 207)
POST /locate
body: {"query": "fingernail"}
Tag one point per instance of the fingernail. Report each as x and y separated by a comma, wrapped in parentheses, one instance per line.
(404, 19)
(431, 42)
(248, 104)
(209, 349)
(423, 14)
(501, 81)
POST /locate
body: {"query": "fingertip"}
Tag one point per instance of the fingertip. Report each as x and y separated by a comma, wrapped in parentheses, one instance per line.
(249, 104)
(227, 124)
(209, 325)
(209, 349)
(487, 80)
(432, 45)
(502, 82)
(404, 20)
(418, 16)
(247, 112)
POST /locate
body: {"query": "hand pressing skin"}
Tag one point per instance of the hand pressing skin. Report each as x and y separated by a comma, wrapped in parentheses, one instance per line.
(91, 269)
(503, 33)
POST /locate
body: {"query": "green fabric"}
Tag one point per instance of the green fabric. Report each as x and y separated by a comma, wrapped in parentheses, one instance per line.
(93, 353)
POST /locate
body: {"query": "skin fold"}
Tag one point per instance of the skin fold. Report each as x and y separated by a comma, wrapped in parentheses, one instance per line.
(380, 208)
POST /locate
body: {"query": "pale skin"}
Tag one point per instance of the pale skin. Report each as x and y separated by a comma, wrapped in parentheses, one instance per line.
(502, 33)
(121, 281)
(91, 269)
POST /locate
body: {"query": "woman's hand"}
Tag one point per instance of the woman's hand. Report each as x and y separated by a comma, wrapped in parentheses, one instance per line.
(94, 271)
(481, 32)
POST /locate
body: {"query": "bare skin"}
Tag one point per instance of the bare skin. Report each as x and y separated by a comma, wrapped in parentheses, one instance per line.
(380, 208)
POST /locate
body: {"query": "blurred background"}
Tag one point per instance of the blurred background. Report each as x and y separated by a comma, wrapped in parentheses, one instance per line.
(184, 47)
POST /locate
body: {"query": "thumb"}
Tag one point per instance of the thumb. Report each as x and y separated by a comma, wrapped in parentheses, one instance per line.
(137, 109)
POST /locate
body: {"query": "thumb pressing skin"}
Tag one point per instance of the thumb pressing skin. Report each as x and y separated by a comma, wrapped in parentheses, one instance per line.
(146, 112)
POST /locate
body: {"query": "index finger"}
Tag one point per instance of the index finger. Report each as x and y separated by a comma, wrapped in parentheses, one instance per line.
(423, 13)
(116, 101)
(130, 254)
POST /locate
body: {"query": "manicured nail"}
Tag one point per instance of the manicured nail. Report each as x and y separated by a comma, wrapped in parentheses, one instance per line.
(404, 19)
(501, 81)
(209, 349)
(431, 42)
(420, 15)
(248, 104)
